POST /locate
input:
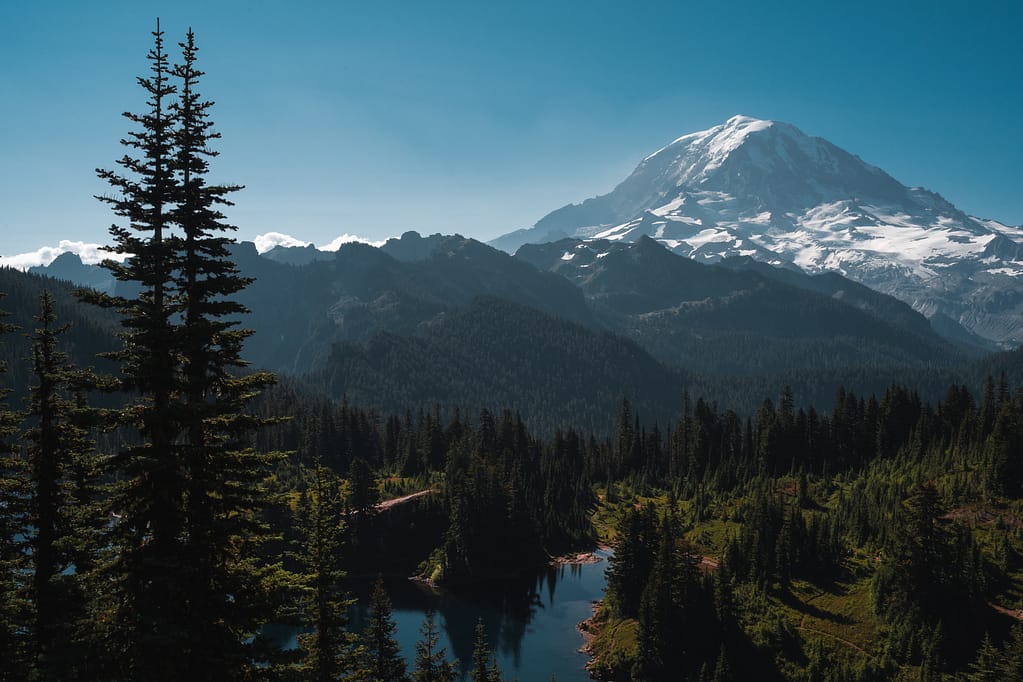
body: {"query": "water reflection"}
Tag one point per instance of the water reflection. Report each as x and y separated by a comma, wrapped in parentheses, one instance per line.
(531, 619)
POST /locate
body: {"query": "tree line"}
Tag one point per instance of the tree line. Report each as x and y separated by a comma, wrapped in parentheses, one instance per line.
(880, 488)
(157, 513)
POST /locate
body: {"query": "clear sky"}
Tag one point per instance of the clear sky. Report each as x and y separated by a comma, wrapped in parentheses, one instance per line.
(372, 118)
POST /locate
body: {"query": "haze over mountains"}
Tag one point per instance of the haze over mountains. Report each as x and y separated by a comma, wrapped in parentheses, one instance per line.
(731, 262)
(766, 190)
(446, 320)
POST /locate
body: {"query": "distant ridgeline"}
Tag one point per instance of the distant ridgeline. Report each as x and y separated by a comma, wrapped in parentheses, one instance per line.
(563, 331)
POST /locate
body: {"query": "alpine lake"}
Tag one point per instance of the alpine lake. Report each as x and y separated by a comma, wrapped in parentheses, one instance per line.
(531, 620)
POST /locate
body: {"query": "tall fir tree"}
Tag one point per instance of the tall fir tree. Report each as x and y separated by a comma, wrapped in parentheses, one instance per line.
(143, 625)
(14, 610)
(431, 664)
(56, 443)
(1011, 664)
(330, 651)
(383, 655)
(226, 479)
(484, 659)
(191, 587)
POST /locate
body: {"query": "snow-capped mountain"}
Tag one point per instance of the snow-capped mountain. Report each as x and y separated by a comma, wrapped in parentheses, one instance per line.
(765, 189)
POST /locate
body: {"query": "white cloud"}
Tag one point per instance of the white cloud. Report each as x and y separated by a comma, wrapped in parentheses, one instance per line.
(90, 253)
(44, 255)
(348, 238)
(265, 242)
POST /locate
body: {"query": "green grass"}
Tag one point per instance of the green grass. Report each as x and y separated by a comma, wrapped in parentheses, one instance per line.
(837, 615)
(709, 538)
(615, 645)
(840, 612)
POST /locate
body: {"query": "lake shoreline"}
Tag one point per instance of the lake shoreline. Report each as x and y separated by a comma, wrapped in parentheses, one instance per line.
(575, 634)
(578, 558)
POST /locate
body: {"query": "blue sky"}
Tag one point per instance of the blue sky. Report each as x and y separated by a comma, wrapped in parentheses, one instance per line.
(481, 117)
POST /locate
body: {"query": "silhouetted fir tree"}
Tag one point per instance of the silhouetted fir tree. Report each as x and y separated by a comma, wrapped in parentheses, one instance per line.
(803, 490)
(384, 662)
(55, 444)
(190, 489)
(146, 628)
(361, 500)
(431, 664)
(922, 541)
(86, 513)
(329, 649)
(495, 670)
(931, 662)
(226, 484)
(15, 619)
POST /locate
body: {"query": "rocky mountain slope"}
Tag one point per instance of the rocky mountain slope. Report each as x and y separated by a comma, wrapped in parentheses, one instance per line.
(765, 190)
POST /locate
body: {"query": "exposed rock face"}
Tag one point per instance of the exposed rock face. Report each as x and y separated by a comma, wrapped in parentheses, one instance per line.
(765, 190)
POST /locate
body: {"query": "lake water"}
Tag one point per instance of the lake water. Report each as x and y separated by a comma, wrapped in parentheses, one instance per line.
(531, 621)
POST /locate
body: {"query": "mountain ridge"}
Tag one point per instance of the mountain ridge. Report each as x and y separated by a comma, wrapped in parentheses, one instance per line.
(457, 321)
(766, 190)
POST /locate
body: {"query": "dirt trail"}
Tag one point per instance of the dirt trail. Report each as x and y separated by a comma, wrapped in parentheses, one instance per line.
(387, 504)
(803, 626)
(834, 637)
(1011, 613)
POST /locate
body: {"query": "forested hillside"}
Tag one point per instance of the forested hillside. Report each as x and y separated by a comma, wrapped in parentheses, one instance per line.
(493, 353)
(735, 330)
(879, 541)
(794, 478)
(91, 331)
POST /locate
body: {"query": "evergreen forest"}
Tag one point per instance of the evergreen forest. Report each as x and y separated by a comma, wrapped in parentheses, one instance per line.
(166, 506)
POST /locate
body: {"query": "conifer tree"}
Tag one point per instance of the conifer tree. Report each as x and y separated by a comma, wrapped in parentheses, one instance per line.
(226, 480)
(431, 664)
(144, 611)
(329, 649)
(14, 612)
(361, 500)
(1010, 667)
(383, 655)
(484, 659)
(189, 588)
(629, 567)
(985, 667)
(55, 444)
(480, 671)
(495, 670)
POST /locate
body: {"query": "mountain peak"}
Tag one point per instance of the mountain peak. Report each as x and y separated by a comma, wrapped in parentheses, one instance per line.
(772, 167)
(764, 189)
(721, 139)
(742, 119)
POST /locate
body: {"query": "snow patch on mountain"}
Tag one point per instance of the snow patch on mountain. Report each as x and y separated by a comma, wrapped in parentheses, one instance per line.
(765, 189)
